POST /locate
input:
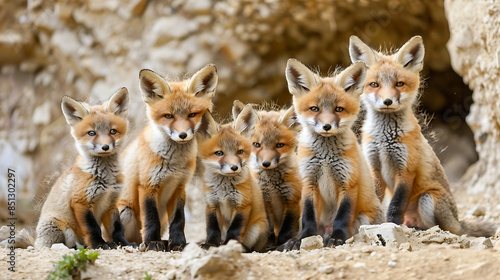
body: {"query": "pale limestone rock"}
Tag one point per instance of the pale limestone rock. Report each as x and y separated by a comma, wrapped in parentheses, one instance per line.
(386, 234)
(59, 246)
(474, 48)
(223, 261)
(481, 243)
(197, 6)
(172, 27)
(66, 42)
(41, 115)
(311, 243)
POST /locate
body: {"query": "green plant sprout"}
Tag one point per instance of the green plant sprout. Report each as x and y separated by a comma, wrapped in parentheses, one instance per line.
(71, 266)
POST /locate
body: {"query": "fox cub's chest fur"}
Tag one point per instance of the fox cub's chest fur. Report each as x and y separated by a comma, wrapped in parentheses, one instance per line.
(174, 160)
(327, 159)
(386, 147)
(223, 189)
(273, 184)
(104, 172)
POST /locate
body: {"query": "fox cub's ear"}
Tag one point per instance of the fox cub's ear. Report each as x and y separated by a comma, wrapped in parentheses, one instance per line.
(118, 103)
(352, 79)
(208, 126)
(411, 54)
(204, 82)
(360, 51)
(153, 86)
(73, 110)
(300, 79)
(245, 121)
(237, 108)
(288, 118)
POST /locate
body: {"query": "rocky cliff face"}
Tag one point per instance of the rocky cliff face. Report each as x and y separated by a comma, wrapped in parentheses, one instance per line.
(90, 49)
(474, 48)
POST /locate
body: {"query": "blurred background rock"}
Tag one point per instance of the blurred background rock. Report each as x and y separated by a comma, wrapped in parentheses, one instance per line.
(89, 49)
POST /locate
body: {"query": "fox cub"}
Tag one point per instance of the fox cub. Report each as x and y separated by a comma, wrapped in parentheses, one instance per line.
(274, 165)
(162, 159)
(85, 195)
(235, 207)
(338, 188)
(399, 155)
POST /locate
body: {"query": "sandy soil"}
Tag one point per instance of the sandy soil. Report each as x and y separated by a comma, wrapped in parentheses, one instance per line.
(434, 255)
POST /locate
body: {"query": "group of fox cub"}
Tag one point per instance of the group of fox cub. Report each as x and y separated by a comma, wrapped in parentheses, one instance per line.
(271, 177)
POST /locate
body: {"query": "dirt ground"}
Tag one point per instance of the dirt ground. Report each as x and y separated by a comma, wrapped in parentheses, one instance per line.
(431, 254)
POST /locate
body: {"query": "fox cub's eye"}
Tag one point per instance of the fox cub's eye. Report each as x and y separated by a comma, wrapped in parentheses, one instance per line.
(219, 153)
(113, 131)
(240, 152)
(192, 115)
(256, 145)
(400, 84)
(314, 109)
(374, 84)
(91, 133)
(339, 109)
(169, 116)
(280, 145)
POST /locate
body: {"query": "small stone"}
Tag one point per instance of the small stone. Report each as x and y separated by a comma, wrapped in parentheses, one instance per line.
(392, 264)
(142, 247)
(481, 243)
(478, 211)
(367, 249)
(405, 247)
(59, 246)
(359, 265)
(497, 234)
(312, 242)
(327, 269)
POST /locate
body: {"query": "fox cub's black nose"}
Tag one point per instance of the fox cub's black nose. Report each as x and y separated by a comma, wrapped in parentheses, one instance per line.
(234, 167)
(266, 163)
(327, 127)
(387, 102)
(105, 147)
(183, 135)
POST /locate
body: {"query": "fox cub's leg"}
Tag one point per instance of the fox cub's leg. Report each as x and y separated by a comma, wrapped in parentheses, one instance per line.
(312, 206)
(90, 228)
(238, 225)
(175, 212)
(213, 229)
(47, 233)
(150, 220)
(439, 208)
(400, 200)
(290, 225)
(271, 239)
(342, 222)
(380, 184)
(114, 227)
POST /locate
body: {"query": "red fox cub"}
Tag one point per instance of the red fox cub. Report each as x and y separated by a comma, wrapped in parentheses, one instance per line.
(399, 155)
(235, 207)
(273, 162)
(85, 195)
(162, 159)
(338, 188)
